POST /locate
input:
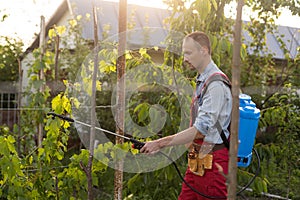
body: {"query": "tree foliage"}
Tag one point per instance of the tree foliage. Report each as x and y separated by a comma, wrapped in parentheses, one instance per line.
(280, 146)
(10, 51)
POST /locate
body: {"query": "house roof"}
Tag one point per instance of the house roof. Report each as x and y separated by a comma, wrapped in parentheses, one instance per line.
(53, 20)
(290, 39)
(143, 17)
(145, 25)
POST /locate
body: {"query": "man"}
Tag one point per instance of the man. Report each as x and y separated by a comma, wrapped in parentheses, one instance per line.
(206, 111)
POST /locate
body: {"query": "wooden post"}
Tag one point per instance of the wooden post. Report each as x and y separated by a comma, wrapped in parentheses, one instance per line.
(232, 175)
(88, 170)
(120, 101)
(42, 89)
(19, 105)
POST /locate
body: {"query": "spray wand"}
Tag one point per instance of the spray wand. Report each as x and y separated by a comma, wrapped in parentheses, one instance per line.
(135, 143)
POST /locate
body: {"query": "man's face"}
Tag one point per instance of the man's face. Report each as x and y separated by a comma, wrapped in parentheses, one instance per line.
(192, 53)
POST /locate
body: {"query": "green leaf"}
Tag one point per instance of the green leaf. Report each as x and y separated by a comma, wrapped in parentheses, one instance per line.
(143, 51)
(56, 103)
(214, 3)
(204, 8)
(132, 181)
(143, 114)
(60, 30)
(41, 151)
(139, 107)
(30, 159)
(66, 104)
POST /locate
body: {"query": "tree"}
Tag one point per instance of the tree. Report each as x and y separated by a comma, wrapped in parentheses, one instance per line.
(236, 64)
(10, 51)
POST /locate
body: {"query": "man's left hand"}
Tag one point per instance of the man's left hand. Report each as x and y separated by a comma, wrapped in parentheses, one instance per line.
(151, 147)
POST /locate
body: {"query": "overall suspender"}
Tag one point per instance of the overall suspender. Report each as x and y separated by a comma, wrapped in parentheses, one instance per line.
(218, 76)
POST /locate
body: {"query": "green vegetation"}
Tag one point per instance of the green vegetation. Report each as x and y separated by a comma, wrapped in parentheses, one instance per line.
(56, 169)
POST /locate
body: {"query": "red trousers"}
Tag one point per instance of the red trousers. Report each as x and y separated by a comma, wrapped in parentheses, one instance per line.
(212, 183)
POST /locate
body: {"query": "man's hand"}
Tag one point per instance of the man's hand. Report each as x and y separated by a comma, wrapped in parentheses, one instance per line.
(184, 137)
(151, 147)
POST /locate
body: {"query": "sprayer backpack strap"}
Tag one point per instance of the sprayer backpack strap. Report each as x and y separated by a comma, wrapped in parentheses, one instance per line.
(223, 136)
(218, 76)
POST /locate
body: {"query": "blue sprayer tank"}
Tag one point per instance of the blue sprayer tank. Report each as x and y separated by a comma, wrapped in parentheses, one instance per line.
(248, 123)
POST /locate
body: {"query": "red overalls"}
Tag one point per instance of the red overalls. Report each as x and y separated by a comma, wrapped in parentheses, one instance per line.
(212, 183)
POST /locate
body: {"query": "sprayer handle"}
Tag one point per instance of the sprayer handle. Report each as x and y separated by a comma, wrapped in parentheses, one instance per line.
(136, 144)
(61, 116)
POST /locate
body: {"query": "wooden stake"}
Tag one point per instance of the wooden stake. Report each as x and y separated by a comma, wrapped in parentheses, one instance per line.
(232, 175)
(120, 101)
(88, 168)
(42, 89)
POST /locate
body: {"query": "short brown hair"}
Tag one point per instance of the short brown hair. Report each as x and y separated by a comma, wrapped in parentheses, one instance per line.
(201, 38)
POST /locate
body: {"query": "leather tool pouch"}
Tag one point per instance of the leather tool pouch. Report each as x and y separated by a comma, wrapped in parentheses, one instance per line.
(198, 165)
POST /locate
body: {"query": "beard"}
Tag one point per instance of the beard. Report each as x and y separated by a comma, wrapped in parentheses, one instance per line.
(189, 71)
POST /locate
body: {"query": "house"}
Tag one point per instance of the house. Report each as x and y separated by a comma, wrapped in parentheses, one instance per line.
(138, 18)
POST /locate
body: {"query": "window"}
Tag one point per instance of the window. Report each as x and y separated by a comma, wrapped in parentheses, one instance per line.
(8, 109)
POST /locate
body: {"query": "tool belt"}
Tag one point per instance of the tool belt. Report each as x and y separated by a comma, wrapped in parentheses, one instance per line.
(198, 165)
(198, 162)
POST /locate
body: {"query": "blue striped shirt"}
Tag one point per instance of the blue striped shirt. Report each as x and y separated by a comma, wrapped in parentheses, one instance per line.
(216, 104)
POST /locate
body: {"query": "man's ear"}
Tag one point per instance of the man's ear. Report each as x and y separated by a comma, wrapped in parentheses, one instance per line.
(204, 50)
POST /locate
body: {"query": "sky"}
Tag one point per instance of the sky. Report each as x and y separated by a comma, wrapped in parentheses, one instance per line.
(23, 18)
